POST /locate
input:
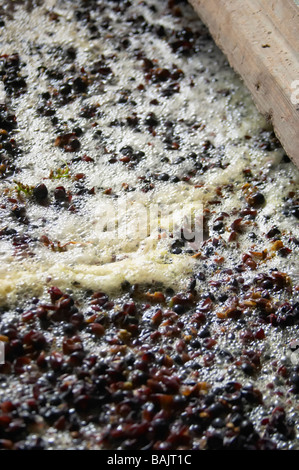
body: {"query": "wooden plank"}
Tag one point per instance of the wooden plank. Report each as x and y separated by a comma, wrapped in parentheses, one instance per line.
(283, 16)
(261, 41)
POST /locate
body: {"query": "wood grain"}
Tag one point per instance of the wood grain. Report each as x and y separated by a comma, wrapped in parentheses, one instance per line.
(261, 41)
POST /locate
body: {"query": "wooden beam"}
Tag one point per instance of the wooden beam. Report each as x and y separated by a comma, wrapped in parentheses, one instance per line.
(261, 41)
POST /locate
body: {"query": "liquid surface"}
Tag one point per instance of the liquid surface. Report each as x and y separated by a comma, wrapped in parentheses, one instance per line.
(106, 105)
